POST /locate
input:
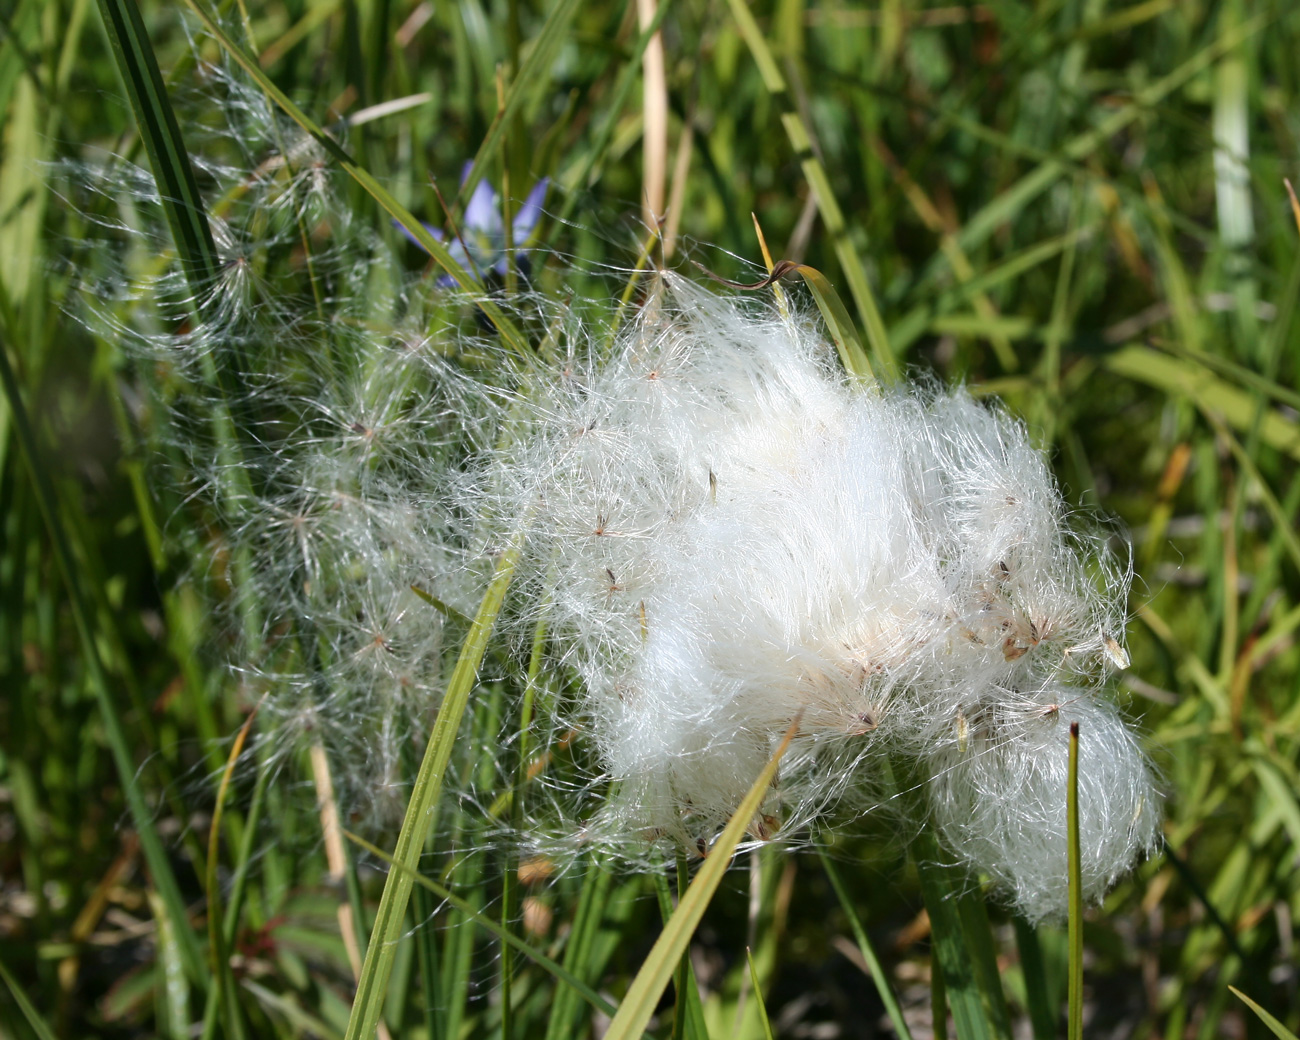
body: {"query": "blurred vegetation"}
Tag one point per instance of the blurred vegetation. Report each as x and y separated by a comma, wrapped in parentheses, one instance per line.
(1076, 205)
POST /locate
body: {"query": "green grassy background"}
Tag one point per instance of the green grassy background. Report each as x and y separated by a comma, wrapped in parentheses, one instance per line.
(1022, 197)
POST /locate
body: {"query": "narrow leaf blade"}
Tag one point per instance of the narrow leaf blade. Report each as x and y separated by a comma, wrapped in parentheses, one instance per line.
(644, 993)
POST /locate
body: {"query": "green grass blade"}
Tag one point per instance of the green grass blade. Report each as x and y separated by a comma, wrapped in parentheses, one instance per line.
(680, 973)
(563, 1020)
(1038, 994)
(978, 933)
(1015, 265)
(582, 179)
(378, 192)
(483, 920)
(178, 189)
(688, 1012)
(161, 134)
(938, 997)
(694, 1025)
(757, 985)
(527, 85)
(644, 993)
(1005, 206)
(1279, 1030)
(458, 945)
(506, 974)
(38, 1024)
(244, 856)
(878, 975)
(837, 319)
(940, 885)
(1208, 392)
(886, 364)
(1075, 1016)
(238, 887)
(224, 980)
(1281, 522)
(373, 984)
(301, 1021)
(1279, 790)
(1239, 373)
(141, 814)
(426, 950)
(172, 993)
(1175, 277)
(957, 258)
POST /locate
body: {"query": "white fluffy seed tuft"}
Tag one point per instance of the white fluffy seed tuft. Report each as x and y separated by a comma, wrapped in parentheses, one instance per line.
(999, 801)
(729, 535)
(722, 534)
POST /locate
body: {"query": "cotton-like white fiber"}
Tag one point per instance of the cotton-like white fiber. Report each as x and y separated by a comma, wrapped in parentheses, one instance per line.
(729, 535)
(720, 533)
(997, 800)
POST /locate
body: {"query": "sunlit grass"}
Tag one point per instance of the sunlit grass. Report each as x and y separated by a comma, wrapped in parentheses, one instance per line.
(1028, 199)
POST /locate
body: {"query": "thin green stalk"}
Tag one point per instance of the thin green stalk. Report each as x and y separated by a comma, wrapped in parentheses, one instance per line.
(884, 363)
(665, 899)
(178, 190)
(648, 986)
(373, 984)
(578, 953)
(238, 888)
(458, 948)
(940, 886)
(868, 952)
(693, 1021)
(627, 78)
(484, 921)
(508, 900)
(511, 861)
(161, 135)
(38, 1024)
(468, 873)
(757, 985)
(244, 856)
(187, 218)
(224, 980)
(978, 933)
(1038, 994)
(426, 950)
(1075, 1029)
(155, 854)
(688, 1013)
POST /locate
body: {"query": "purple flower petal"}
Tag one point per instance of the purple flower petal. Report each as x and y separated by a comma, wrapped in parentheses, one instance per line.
(531, 211)
(481, 212)
(435, 232)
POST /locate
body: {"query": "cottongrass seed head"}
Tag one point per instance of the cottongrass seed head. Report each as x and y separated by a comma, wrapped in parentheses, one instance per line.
(312, 476)
(729, 534)
(720, 533)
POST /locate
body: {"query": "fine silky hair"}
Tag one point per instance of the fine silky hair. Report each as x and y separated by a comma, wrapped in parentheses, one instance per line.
(718, 533)
(728, 533)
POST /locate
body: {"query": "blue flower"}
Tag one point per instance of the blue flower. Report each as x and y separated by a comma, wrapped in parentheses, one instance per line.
(481, 245)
